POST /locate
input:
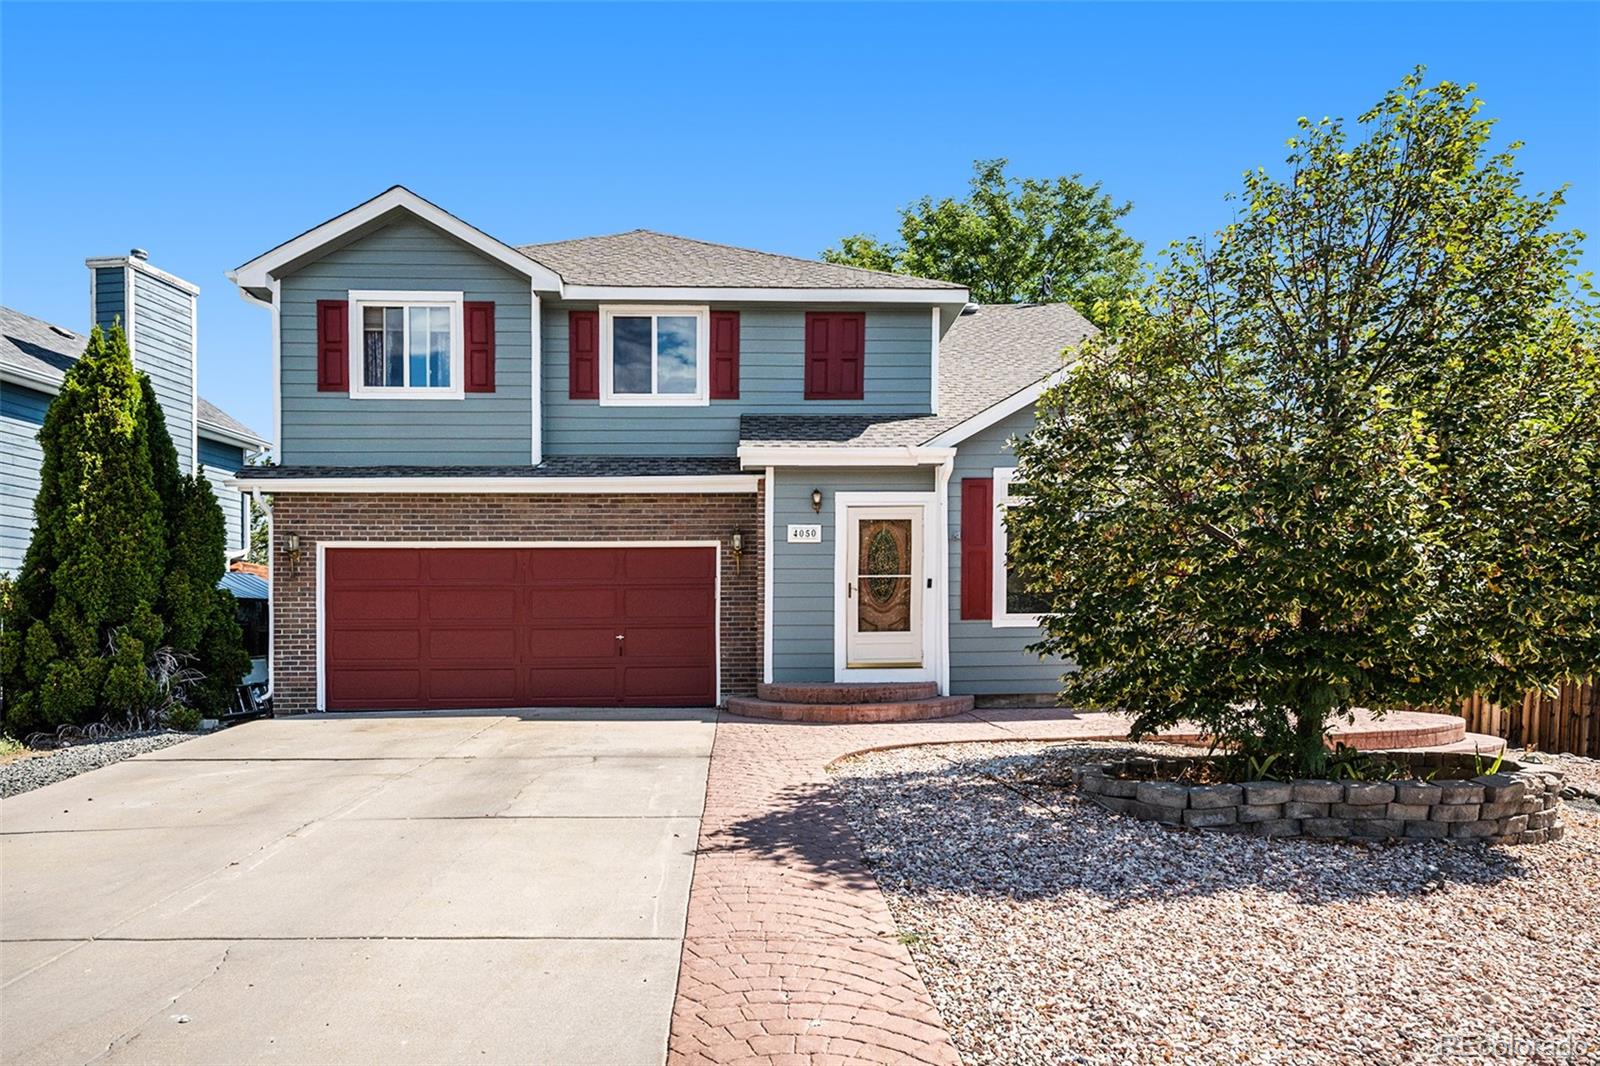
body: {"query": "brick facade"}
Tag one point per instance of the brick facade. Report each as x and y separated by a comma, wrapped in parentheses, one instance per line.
(379, 517)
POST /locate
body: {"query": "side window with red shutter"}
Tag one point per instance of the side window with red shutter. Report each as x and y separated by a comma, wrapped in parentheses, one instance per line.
(479, 345)
(835, 355)
(583, 355)
(724, 355)
(333, 346)
(977, 547)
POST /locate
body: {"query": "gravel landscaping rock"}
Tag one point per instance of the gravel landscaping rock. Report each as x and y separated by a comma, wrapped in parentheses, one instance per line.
(1050, 930)
(37, 769)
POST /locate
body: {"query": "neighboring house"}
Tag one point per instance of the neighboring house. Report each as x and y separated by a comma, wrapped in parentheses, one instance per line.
(633, 470)
(158, 311)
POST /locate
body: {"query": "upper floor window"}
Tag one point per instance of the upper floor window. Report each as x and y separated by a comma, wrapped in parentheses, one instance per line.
(409, 344)
(1014, 603)
(835, 355)
(654, 355)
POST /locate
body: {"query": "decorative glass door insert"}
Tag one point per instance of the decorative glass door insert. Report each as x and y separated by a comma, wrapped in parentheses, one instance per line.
(884, 587)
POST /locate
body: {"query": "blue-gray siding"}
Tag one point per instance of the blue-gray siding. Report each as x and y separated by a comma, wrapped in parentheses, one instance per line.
(162, 338)
(21, 415)
(219, 461)
(803, 581)
(109, 292)
(771, 381)
(985, 660)
(327, 428)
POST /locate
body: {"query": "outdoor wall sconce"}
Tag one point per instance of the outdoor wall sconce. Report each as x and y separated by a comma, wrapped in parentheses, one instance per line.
(816, 500)
(291, 543)
(736, 543)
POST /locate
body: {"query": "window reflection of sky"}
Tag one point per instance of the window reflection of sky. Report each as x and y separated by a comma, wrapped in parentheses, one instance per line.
(430, 347)
(675, 354)
(630, 354)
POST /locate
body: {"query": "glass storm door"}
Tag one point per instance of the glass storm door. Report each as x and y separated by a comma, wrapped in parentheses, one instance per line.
(883, 587)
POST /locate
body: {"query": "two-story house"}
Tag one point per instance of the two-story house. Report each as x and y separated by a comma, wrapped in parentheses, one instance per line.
(634, 470)
(159, 312)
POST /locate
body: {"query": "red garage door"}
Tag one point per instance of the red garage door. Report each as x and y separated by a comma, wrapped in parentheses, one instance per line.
(519, 627)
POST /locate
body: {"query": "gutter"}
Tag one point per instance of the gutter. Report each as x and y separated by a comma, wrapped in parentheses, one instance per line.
(756, 455)
(709, 483)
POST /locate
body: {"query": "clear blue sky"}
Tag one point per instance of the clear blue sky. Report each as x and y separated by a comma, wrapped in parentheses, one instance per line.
(208, 133)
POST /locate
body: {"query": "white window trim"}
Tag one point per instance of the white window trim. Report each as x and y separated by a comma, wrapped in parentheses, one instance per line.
(1001, 618)
(701, 397)
(361, 298)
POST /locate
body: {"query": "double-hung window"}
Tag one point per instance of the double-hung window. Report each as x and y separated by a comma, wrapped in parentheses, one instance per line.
(655, 356)
(407, 345)
(1014, 604)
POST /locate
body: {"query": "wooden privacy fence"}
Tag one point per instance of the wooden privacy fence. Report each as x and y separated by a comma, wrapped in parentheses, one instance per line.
(1568, 721)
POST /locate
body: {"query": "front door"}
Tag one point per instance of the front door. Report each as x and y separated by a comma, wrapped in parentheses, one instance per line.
(883, 588)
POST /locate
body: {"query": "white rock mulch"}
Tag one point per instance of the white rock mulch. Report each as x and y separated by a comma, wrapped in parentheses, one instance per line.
(32, 770)
(1582, 774)
(1050, 931)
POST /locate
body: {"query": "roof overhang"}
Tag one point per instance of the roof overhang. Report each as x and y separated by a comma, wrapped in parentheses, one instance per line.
(51, 384)
(599, 486)
(1017, 401)
(949, 301)
(253, 277)
(247, 441)
(762, 455)
(28, 379)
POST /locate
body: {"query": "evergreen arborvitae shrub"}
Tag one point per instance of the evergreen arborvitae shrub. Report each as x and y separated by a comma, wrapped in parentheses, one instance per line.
(82, 627)
(221, 657)
(202, 620)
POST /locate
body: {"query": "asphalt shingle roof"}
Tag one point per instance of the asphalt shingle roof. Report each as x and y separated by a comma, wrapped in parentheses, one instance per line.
(986, 356)
(554, 466)
(35, 347)
(643, 258)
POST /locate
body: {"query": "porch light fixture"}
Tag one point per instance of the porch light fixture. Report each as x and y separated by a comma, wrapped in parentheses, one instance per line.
(816, 500)
(736, 544)
(291, 543)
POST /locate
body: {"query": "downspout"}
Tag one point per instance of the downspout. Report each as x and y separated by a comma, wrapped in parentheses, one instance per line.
(941, 476)
(769, 488)
(272, 619)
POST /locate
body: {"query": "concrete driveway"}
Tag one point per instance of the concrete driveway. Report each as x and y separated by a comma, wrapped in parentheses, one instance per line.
(482, 888)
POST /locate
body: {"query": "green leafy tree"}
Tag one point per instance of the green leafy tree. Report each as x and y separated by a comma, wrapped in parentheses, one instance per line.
(1346, 455)
(83, 621)
(1014, 241)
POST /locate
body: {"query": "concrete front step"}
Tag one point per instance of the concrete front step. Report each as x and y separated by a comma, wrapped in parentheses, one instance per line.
(834, 693)
(852, 713)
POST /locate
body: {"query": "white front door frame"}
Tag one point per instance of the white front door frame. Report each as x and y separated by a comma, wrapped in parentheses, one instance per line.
(933, 591)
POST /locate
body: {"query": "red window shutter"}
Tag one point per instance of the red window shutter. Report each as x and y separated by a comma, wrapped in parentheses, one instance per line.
(479, 317)
(835, 355)
(583, 355)
(977, 547)
(333, 346)
(724, 355)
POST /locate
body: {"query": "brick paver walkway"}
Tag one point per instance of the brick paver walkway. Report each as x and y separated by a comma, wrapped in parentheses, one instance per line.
(790, 954)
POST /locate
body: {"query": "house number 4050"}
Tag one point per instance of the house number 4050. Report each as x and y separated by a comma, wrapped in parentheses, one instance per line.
(805, 534)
